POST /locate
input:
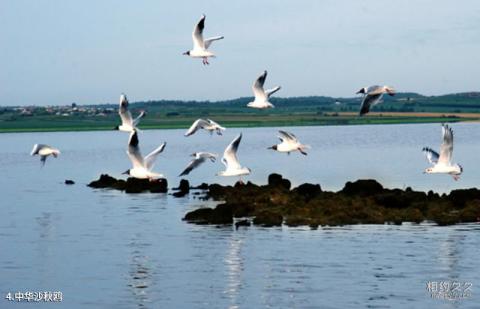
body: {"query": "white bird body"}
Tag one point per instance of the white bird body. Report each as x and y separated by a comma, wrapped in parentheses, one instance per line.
(372, 96)
(200, 157)
(289, 143)
(200, 45)
(44, 151)
(128, 123)
(261, 95)
(442, 163)
(142, 166)
(230, 160)
(208, 125)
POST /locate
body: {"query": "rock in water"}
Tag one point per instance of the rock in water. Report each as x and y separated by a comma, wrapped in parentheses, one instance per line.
(105, 181)
(132, 185)
(69, 182)
(183, 187)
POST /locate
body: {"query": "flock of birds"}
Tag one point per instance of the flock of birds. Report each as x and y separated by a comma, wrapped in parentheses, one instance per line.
(142, 166)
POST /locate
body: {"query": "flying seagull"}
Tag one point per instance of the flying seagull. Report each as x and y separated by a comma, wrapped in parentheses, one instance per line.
(142, 166)
(230, 160)
(128, 123)
(372, 96)
(208, 125)
(289, 143)
(200, 157)
(44, 151)
(262, 96)
(443, 163)
(200, 46)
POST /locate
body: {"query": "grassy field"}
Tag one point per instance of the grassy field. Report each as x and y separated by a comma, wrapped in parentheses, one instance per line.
(155, 121)
(296, 111)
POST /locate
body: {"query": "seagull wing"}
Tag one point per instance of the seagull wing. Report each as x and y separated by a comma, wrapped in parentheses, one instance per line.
(287, 136)
(198, 124)
(37, 148)
(133, 150)
(269, 92)
(197, 34)
(369, 101)
(137, 120)
(258, 87)
(192, 165)
(230, 155)
(446, 149)
(209, 41)
(152, 156)
(123, 111)
(432, 155)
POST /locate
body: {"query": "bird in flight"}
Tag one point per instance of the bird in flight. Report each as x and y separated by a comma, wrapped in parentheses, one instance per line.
(443, 163)
(200, 45)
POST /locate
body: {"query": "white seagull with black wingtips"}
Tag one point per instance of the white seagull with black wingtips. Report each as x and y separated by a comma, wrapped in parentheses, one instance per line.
(200, 46)
(372, 96)
(142, 166)
(289, 143)
(442, 163)
(261, 95)
(230, 160)
(128, 123)
(200, 157)
(44, 151)
(208, 125)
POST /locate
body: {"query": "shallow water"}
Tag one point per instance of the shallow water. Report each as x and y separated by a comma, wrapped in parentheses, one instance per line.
(107, 249)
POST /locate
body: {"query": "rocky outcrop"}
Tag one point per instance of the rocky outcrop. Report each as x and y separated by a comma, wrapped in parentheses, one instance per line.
(131, 185)
(359, 202)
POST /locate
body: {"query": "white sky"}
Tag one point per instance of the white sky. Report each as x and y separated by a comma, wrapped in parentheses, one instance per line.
(58, 52)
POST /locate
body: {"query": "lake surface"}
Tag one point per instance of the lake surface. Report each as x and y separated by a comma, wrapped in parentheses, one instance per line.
(108, 249)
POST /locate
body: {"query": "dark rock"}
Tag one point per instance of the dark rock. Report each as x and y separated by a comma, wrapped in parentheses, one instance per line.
(222, 214)
(158, 185)
(203, 186)
(366, 187)
(132, 185)
(104, 181)
(69, 182)
(242, 223)
(460, 197)
(183, 187)
(268, 218)
(276, 180)
(308, 190)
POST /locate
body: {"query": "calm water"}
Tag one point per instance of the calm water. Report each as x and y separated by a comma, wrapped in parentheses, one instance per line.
(107, 249)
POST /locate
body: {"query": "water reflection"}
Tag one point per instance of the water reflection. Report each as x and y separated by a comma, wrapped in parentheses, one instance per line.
(140, 272)
(234, 263)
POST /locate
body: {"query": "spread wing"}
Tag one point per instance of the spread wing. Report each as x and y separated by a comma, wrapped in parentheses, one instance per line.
(133, 150)
(368, 101)
(198, 124)
(432, 155)
(137, 120)
(197, 34)
(123, 111)
(269, 92)
(287, 136)
(446, 149)
(209, 41)
(152, 156)
(37, 148)
(258, 86)
(192, 165)
(230, 155)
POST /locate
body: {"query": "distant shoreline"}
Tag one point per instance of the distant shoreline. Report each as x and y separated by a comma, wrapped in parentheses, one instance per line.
(238, 121)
